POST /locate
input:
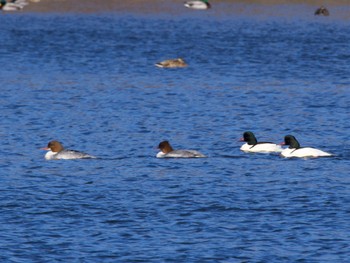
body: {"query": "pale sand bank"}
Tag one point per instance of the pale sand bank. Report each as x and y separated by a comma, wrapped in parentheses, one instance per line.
(168, 6)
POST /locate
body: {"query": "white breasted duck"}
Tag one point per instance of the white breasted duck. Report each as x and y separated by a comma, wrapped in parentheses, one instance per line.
(57, 152)
(322, 11)
(12, 6)
(252, 145)
(198, 4)
(166, 151)
(172, 63)
(294, 149)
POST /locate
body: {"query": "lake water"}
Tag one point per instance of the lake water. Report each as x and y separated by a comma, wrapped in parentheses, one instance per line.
(90, 82)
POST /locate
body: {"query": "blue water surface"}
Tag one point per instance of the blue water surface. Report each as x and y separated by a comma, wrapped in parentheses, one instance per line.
(89, 81)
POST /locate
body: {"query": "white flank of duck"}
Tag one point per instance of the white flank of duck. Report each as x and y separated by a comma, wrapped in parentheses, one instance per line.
(13, 5)
(198, 4)
(57, 152)
(294, 149)
(166, 151)
(252, 145)
(10, 7)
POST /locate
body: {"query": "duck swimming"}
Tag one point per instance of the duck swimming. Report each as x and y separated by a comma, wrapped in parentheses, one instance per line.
(198, 4)
(322, 11)
(166, 151)
(294, 149)
(172, 63)
(57, 152)
(252, 145)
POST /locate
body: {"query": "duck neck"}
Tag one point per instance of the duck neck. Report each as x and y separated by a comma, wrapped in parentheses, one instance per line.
(168, 149)
(252, 141)
(294, 144)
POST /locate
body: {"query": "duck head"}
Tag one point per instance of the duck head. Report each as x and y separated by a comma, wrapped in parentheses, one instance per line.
(54, 146)
(249, 138)
(291, 141)
(165, 147)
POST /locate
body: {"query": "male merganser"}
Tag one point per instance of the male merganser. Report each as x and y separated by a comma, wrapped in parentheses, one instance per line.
(11, 6)
(166, 151)
(253, 145)
(198, 4)
(57, 152)
(322, 11)
(172, 63)
(294, 149)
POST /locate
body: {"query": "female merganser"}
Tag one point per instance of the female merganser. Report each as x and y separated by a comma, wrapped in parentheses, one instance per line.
(322, 11)
(57, 152)
(294, 149)
(198, 4)
(172, 63)
(166, 151)
(254, 146)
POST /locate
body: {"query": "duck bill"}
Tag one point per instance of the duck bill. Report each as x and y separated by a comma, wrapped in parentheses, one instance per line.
(45, 149)
(241, 140)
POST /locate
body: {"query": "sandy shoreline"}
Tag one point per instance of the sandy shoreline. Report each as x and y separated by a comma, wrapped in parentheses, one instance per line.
(155, 6)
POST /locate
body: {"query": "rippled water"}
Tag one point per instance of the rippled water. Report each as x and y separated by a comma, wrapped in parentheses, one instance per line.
(90, 82)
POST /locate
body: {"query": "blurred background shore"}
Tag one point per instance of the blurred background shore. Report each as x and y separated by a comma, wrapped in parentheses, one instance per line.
(170, 6)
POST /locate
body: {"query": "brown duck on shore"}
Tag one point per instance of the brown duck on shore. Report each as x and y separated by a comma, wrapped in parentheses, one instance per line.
(322, 11)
